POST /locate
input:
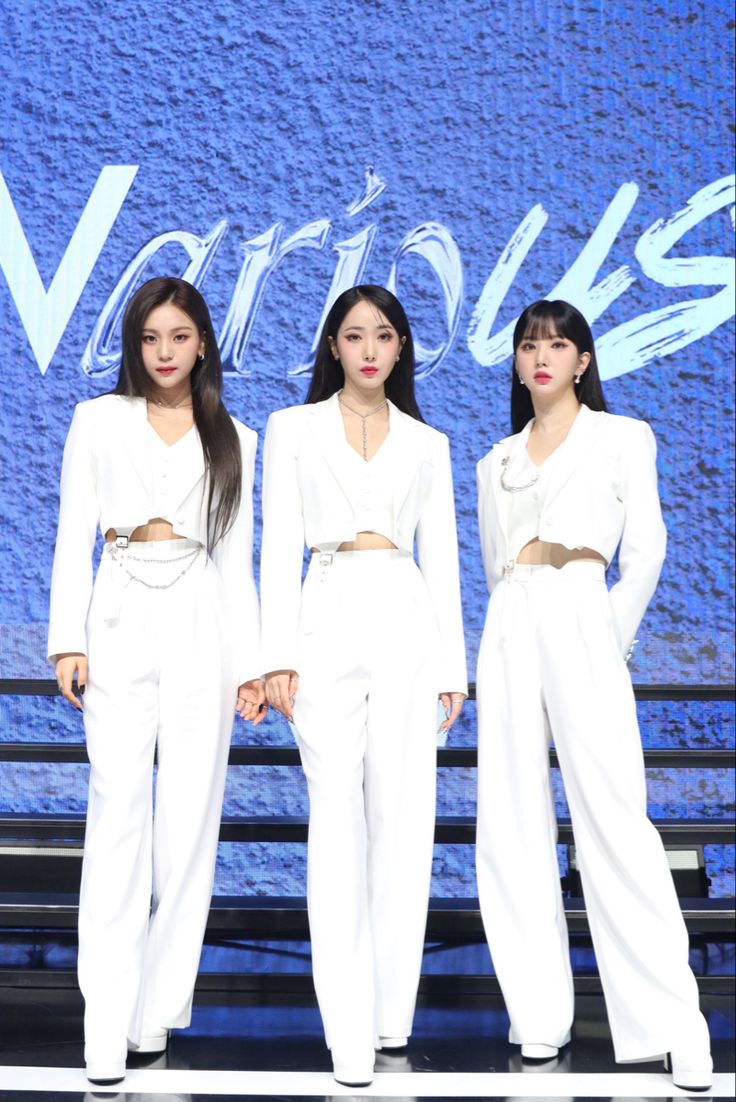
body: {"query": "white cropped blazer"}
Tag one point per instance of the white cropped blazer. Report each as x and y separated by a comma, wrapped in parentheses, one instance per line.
(306, 501)
(106, 482)
(602, 493)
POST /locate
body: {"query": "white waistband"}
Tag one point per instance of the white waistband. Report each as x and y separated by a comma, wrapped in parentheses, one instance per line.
(546, 573)
(378, 556)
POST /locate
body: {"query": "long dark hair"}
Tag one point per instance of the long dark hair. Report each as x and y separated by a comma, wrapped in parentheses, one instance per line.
(327, 374)
(219, 437)
(540, 321)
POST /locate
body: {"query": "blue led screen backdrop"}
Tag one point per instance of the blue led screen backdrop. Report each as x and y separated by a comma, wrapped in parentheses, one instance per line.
(472, 157)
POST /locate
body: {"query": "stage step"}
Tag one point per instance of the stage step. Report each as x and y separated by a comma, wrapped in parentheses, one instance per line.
(285, 828)
(447, 757)
(285, 918)
(28, 686)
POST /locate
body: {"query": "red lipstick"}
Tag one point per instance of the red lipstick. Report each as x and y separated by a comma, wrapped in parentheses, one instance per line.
(369, 371)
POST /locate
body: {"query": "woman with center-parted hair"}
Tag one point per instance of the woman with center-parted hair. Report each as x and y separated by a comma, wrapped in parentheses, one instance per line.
(166, 645)
(358, 657)
(557, 500)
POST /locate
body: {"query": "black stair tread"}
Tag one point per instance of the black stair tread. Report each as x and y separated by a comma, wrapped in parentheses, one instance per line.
(23, 686)
(298, 904)
(265, 918)
(291, 828)
(457, 756)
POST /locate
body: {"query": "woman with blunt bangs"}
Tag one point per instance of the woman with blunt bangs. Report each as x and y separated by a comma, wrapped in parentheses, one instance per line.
(165, 645)
(358, 657)
(556, 500)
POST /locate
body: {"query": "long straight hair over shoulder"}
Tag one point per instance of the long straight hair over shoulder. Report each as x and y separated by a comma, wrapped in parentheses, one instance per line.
(327, 374)
(540, 321)
(219, 437)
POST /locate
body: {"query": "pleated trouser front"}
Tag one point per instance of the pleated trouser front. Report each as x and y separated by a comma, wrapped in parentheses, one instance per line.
(550, 665)
(161, 676)
(366, 716)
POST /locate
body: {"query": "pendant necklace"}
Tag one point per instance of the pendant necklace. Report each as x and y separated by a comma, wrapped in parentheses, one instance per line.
(363, 419)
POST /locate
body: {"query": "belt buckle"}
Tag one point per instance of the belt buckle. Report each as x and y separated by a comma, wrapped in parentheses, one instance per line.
(121, 542)
(508, 569)
(326, 558)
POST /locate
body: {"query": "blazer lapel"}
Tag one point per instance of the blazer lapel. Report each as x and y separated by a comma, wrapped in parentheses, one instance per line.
(581, 437)
(407, 453)
(134, 423)
(328, 434)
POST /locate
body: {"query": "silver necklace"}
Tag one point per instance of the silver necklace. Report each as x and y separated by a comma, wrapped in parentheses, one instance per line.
(363, 419)
(507, 485)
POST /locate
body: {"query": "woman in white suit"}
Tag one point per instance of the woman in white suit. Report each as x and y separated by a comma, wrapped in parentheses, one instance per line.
(165, 644)
(359, 656)
(556, 500)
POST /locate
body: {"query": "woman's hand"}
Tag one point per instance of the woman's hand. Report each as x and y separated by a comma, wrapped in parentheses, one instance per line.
(281, 687)
(251, 703)
(67, 665)
(453, 705)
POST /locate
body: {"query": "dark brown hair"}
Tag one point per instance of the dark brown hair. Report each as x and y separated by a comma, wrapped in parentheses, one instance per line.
(219, 437)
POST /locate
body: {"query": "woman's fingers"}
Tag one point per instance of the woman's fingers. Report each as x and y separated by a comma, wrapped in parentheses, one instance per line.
(66, 668)
(261, 711)
(251, 703)
(280, 691)
(453, 705)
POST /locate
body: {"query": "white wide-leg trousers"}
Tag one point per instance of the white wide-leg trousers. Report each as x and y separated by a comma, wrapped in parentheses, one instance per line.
(161, 676)
(366, 716)
(550, 663)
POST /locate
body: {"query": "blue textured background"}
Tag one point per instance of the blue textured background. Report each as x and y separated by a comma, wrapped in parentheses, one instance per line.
(472, 115)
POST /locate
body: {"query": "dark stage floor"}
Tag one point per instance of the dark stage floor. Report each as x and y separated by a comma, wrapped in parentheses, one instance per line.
(243, 1047)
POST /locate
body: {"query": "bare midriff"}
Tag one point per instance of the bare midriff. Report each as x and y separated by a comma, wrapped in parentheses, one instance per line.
(539, 553)
(156, 529)
(366, 541)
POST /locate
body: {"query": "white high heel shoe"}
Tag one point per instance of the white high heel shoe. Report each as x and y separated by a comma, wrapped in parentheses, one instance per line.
(691, 1071)
(354, 1068)
(104, 1072)
(393, 1043)
(542, 1052)
(349, 1076)
(152, 1040)
(539, 1052)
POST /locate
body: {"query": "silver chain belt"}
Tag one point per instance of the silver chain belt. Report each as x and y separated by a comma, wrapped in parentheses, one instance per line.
(121, 545)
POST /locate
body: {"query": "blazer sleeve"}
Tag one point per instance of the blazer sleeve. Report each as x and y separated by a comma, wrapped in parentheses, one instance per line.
(71, 578)
(436, 539)
(485, 522)
(644, 538)
(282, 548)
(233, 557)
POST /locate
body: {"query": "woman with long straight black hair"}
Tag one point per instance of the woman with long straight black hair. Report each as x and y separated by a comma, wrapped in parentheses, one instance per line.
(557, 499)
(165, 644)
(358, 657)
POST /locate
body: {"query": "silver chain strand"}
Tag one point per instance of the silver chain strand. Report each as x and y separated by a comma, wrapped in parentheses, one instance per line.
(363, 419)
(507, 486)
(191, 555)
